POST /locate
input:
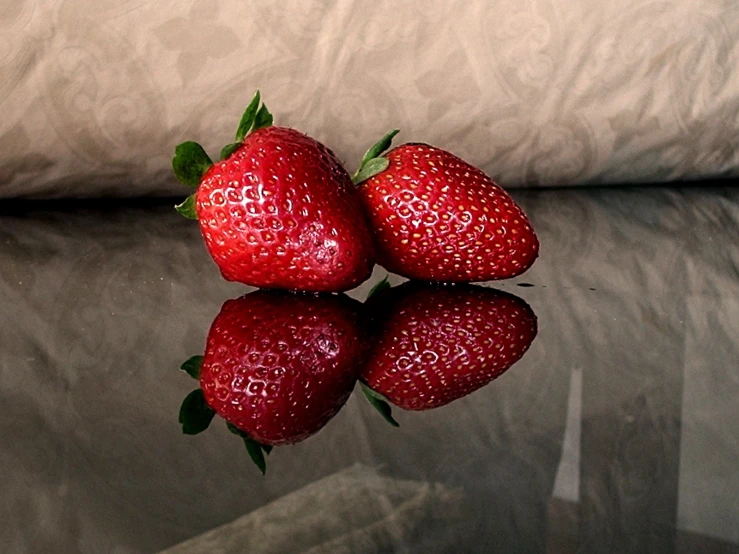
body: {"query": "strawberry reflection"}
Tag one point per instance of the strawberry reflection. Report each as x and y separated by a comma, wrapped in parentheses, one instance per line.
(434, 344)
(277, 367)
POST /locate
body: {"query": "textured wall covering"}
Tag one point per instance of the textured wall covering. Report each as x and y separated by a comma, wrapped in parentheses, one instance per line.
(542, 92)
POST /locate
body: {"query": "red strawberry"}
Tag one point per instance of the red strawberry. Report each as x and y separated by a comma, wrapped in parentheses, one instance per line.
(278, 367)
(279, 210)
(437, 218)
(437, 344)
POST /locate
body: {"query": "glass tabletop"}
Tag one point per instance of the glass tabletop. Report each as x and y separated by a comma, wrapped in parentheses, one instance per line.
(614, 430)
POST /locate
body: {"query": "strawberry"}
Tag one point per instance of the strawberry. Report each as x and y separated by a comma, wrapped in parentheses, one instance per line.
(277, 367)
(278, 210)
(436, 344)
(437, 218)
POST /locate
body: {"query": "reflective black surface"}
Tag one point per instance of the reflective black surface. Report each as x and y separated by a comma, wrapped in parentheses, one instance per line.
(616, 432)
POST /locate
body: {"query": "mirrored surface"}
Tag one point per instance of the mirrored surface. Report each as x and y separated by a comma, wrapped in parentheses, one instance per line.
(615, 432)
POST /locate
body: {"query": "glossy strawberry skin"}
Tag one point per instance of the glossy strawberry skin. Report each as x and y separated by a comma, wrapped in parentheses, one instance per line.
(280, 366)
(281, 212)
(437, 218)
(434, 344)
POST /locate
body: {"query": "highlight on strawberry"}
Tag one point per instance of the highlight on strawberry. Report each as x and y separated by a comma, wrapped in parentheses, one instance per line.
(277, 210)
(436, 217)
(277, 368)
(432, 344)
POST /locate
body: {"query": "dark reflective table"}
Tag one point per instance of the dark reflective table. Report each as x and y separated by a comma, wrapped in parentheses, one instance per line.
(615, 432)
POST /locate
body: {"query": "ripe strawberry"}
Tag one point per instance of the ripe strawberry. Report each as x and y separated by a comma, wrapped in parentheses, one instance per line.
(437, 344)
(279, 367)
(279, 210)
(437, 218)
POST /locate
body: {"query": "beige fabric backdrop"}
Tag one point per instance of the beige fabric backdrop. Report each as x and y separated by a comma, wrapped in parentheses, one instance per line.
(94, 94)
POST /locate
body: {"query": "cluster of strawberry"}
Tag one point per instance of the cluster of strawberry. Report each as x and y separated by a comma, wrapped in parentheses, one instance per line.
(280, 212)
(277, 367)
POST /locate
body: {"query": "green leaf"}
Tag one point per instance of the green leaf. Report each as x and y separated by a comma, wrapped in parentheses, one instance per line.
(247, 119)
(371, 164)
(378, 288)
(255, 453)
(187, 207)
(190, 163)
(192, 366)
(379, 147)
(262, 119)
(252, 447)
(370, 169)
(379, 403)
(195, 414)
(235, 430)
(229, 149)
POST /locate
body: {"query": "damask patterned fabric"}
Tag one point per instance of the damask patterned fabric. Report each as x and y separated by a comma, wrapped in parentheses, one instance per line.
(96, 93)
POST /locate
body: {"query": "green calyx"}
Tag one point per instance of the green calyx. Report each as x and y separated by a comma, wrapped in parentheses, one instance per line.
(372, 161)
(229, 149)
(191, 162)
(187, 207)
(255, 117)
(255, 450)
(378, 288)
(379, 403)
(192, 366)
(195, 414)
